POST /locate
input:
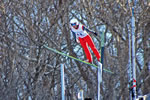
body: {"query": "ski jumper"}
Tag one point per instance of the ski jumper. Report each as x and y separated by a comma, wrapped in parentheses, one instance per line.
(85, 40)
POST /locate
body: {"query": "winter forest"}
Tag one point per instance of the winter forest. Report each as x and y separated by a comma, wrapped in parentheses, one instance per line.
(28, 71)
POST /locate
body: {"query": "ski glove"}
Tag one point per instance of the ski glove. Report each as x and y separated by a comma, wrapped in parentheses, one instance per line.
(77, 41)
(95, 33)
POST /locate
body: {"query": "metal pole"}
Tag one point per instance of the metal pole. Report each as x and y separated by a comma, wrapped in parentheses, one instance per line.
(62, 82)
(129, 65)
(102, 47)
(99, 79)
(133, 54)
(80, 95)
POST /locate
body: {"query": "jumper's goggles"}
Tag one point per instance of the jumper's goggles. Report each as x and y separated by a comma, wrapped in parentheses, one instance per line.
(73, 24)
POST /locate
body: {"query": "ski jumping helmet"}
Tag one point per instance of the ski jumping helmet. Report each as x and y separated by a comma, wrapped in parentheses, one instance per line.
(74, 22)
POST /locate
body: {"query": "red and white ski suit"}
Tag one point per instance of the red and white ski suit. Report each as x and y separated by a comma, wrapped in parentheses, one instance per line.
(85, 40)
